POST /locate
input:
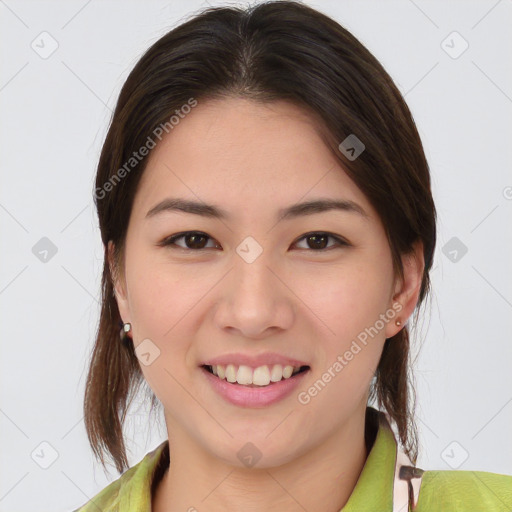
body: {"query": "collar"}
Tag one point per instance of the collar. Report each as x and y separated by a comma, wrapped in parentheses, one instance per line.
(374, 487)
(377, 488)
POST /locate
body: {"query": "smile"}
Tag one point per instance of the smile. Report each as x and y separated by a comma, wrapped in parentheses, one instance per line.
(261, 376)
(253, 395)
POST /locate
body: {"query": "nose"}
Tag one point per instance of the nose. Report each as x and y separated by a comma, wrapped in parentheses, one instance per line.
(254, 301)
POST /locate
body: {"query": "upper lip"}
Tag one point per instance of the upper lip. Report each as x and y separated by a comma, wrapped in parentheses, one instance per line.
(267, 358)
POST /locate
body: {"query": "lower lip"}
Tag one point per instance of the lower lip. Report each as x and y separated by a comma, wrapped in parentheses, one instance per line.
(244, 396)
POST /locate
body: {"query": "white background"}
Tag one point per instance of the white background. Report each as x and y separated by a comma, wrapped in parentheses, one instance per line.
(54, 116)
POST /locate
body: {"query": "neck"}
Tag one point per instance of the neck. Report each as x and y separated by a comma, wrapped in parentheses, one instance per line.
(321, 479)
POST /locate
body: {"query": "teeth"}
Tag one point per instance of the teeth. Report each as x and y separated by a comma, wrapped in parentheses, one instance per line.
(230, 373)
(261, 376)
(244, 375)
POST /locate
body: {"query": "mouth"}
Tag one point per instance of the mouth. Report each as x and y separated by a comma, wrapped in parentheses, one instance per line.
(249, 387)
(261, 377)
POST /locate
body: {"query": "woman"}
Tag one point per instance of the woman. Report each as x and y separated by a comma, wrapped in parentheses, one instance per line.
(265, 207)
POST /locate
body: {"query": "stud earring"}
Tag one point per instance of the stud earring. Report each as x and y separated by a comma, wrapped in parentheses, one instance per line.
(123, 333)
(398, 323)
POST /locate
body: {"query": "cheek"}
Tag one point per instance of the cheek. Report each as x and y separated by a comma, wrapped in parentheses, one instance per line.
(349, 302)
(349, 349)
(160, 295)
(159, 302)
(348, 298)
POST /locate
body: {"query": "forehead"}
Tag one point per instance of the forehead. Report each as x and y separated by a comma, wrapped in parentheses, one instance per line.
(244, 153)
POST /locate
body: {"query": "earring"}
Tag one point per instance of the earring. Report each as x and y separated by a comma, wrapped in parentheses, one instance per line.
(123, 333)
(398, 323)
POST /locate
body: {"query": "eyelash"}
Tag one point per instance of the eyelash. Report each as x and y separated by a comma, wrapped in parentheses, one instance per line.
(169, 241)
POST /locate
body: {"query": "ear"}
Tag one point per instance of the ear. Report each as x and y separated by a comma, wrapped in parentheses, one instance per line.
(407, 290)
(119, 284)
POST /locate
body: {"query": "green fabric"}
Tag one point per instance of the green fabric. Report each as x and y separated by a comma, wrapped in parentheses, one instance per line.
(374, 487)
(131, 491)
(461, 491)
(441, 491)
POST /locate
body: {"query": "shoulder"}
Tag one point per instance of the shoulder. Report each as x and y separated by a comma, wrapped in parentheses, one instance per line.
(461, 491)
(109, 497)
(105, 500)
(132, 490)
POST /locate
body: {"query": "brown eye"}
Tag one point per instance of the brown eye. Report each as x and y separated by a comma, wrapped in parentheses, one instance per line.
(319, 241)
(197, 240)
(194, 240)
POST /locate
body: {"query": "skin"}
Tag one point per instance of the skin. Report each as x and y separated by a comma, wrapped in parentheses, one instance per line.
(252, 159)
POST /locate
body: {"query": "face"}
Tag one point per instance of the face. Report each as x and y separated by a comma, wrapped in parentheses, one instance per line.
(305, 287)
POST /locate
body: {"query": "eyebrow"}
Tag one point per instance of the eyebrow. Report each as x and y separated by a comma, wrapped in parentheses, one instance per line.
(297, 210)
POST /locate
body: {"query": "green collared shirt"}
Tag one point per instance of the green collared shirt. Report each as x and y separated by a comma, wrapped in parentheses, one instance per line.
(377, 489)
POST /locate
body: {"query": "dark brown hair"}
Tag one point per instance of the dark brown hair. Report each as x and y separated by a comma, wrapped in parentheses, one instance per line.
(272, 51)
